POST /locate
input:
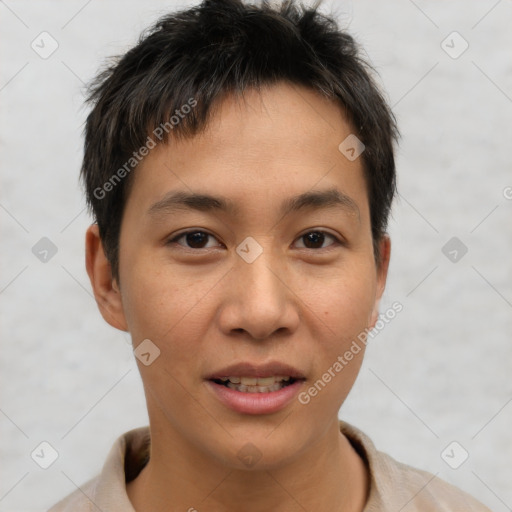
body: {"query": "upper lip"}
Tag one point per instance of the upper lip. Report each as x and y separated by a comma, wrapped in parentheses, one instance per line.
(245, 369)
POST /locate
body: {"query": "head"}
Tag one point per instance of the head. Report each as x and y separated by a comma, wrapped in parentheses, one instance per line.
(232, 226)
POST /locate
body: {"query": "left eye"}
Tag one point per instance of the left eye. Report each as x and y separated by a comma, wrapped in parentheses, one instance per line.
(316, 239)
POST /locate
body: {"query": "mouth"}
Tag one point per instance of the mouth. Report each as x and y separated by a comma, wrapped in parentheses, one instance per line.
(256, 384)
(252, 389)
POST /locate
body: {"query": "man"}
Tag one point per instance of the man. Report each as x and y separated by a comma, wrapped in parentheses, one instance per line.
(239, 164)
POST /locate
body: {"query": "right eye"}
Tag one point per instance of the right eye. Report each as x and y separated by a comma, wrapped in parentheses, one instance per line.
(194, 239)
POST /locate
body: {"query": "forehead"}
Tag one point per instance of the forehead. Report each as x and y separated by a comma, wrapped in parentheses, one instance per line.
(268, 143)
(286, 118)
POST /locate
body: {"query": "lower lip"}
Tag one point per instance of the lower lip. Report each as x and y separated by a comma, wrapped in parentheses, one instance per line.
(256, 403)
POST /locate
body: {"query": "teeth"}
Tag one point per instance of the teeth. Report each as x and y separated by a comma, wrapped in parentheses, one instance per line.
(267, 381)
(256, 389)
(256, 384)
(255, 381)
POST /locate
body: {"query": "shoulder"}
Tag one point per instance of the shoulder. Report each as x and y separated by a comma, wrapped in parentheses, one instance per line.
(397, 486)
(107, 491)
(418, 490)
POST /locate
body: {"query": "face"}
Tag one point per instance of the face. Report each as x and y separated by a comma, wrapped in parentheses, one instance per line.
(245, 255)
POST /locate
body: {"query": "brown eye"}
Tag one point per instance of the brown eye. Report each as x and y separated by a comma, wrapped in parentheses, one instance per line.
(193, 239)
(196, 240)
(316, 239)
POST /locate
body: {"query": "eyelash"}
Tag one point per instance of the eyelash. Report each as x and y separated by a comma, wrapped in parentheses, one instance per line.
(185, 233)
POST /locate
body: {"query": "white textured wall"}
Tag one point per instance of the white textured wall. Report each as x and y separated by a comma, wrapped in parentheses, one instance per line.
(439, 372)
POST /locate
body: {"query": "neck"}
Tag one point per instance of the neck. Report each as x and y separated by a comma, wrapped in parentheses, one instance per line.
(330, 472)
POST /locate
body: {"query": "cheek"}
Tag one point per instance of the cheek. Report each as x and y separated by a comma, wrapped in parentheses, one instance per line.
(343, 310)
(156, 298)
(147, 303)
(339, 351)
(160, 308)
(173, 310)
(344, 301)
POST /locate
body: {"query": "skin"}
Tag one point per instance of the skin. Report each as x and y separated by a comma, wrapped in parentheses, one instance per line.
(206, 308)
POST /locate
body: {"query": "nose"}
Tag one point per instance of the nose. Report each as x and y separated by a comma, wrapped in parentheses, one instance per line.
(258, 300)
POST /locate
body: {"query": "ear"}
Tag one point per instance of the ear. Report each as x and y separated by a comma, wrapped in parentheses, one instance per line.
(105, 287)
(382, 274)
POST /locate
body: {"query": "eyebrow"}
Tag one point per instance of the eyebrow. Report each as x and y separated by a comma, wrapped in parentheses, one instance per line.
(180, 200)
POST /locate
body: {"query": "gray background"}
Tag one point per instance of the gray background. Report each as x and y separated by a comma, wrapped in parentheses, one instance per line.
(439, 372)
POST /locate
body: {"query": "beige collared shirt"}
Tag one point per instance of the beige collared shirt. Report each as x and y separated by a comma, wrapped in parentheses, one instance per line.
(394, 486)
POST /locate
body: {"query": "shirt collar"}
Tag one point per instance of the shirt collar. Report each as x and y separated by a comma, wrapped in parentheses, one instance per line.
(130, 453)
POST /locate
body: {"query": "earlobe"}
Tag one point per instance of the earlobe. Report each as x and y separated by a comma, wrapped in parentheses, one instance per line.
(105, 288)
(382, 274)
